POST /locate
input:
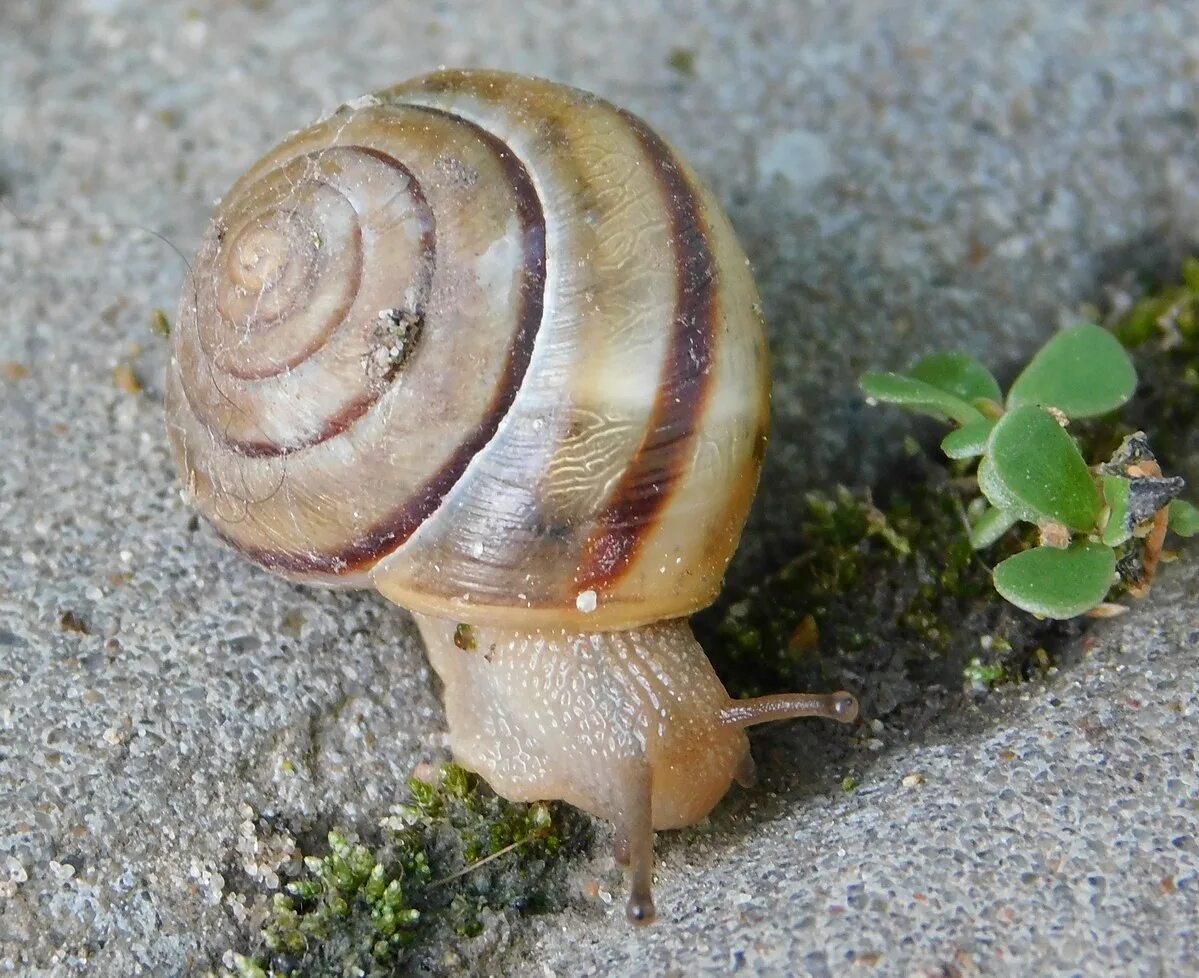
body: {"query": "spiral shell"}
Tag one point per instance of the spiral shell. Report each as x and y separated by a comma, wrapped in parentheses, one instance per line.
(484, 343)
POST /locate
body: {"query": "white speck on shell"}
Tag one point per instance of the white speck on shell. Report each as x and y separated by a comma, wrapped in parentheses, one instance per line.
(586, 601)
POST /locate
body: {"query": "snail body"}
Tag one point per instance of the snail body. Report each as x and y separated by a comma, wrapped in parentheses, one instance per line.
(486, 344)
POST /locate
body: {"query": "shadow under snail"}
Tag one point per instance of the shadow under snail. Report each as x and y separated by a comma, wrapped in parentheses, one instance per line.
(486, 344)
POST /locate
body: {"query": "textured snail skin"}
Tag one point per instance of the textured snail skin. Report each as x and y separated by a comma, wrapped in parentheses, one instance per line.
(486, 344)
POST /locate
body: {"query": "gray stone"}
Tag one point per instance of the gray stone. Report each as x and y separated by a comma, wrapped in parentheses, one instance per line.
(904, 177)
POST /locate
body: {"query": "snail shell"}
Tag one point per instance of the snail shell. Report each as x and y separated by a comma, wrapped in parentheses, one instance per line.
(484, 343)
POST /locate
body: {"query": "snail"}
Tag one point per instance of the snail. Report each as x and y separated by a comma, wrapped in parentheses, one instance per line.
(486, 344)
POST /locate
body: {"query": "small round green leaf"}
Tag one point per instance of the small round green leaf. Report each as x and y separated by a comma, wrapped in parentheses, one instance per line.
(1082, 372)
(918, 396)
(989, 527)
(968, 441)
(1057, 583)
(1119, 519)
(959, 374)
(1184, 518)
(1040, 470)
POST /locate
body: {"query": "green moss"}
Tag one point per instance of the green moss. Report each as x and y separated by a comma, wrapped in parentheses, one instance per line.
(1166, 312)
(1161, 328)
(984, 675)
(452, 854)
(886, 600)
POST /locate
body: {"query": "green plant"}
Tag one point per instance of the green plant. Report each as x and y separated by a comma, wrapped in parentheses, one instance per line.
(358, 909)
(1100, 524)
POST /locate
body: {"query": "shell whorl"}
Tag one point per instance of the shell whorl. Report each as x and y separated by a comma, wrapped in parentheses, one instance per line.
(484, 343)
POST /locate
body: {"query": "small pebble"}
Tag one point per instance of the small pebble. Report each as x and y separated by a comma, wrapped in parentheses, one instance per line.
(61, 871)
(126, 379)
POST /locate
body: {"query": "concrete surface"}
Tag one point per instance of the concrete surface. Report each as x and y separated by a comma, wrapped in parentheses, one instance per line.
(904, 176)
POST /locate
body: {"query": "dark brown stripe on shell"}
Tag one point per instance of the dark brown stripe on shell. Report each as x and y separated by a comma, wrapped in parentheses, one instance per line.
(358, 407)
(397, 526)
(654, 471)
